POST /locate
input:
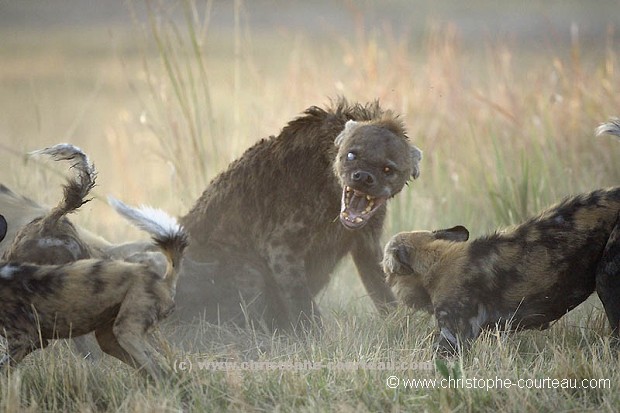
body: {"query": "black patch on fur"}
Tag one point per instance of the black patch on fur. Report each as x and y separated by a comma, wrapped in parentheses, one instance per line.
(3, 227)
(48, 284)
(97, 283)
(608, 279)
(122, 278)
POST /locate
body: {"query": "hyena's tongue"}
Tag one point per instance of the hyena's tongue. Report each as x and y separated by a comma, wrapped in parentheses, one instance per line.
(357, 207)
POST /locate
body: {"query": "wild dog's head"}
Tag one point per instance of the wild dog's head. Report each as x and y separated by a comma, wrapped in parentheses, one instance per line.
(410, 257)
(375, 159)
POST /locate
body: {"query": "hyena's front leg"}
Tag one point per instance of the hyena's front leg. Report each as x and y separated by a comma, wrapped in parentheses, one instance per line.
(367, 255)
(608, 279)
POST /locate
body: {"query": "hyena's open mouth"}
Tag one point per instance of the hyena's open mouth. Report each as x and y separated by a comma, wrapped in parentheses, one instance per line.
(357, 207)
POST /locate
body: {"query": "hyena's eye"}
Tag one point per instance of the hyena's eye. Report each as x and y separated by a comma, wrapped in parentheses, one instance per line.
(351, 156)
(388, 170)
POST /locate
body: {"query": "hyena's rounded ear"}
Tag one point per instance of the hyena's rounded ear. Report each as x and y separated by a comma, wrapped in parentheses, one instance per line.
(349, 127)
(416, 157)
(458, 234)
(3, 227)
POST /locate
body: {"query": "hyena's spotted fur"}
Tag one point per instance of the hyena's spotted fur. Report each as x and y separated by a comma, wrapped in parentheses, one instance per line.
(522, 278)
(119, 301)
(276, 223)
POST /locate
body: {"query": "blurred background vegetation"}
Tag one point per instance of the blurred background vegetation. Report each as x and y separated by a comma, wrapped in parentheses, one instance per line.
(502, 96)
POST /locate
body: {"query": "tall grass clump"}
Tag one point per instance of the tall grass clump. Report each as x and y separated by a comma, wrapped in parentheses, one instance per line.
(177, 107)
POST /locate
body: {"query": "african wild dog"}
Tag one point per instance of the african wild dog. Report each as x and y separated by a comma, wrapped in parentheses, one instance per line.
(117, 300)
(522, 278)
(51, 238)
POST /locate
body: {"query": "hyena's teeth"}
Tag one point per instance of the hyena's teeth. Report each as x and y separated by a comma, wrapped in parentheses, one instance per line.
(368, 198)
(345, 214)
(358, 220)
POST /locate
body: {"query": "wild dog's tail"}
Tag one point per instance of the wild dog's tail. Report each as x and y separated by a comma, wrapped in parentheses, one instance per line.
(611, 128)
(165, 231)
(76, 189)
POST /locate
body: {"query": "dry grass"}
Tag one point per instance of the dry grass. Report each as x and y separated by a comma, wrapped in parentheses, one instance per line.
(504, 134)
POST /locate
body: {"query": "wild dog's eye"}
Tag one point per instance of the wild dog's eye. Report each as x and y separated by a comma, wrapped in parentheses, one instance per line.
(351, 156)
(387, 170)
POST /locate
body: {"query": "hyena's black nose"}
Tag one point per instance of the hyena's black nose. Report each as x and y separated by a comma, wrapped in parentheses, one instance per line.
(363, 177)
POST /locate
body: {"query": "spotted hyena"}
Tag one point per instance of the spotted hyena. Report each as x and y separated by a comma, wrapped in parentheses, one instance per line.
(274, 225)
(521, 278)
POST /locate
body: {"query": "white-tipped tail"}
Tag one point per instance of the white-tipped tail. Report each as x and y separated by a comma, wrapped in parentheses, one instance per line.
(67, 152)
(152, 220)
(76, 189)
(611, 128)
(166, 232)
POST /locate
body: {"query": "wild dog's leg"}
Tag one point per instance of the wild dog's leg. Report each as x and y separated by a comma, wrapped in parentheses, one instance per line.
(367, 255)
(608, 279)
(130, 329)
(137, 345)
(109, 344)
(129, 348)
(18, 346)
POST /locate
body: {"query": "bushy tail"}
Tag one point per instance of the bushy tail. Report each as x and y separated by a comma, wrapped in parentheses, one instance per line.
(76, 189)
(611, 128)
(165, 231)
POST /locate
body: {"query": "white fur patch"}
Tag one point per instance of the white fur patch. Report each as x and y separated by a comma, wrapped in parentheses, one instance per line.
(70, 245)
(611, 128)
(7, 271)
(154, 221)
(478, 321)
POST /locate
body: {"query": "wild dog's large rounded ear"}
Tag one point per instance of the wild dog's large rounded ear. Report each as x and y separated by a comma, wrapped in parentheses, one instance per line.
(349, 127)
(3, 227)
(416, 157)
(458, 234)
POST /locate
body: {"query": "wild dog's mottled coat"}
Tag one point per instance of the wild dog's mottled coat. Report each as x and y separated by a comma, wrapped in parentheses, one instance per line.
(51, 238)
(524, 277)
(527, 276)
(117, 300)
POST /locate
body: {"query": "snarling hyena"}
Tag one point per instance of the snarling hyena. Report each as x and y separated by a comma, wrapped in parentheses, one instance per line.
(274, 225)
(521, 278)
(120, 301)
